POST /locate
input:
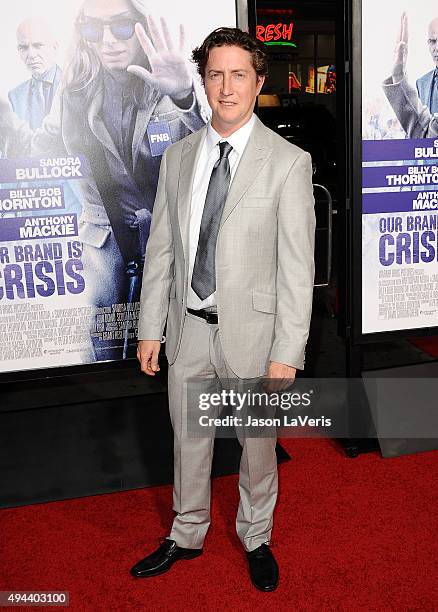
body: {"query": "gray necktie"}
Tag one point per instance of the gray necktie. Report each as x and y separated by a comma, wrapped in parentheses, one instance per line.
(204, 270)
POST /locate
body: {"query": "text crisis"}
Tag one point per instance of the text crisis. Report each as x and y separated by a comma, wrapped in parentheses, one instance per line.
(31, 276)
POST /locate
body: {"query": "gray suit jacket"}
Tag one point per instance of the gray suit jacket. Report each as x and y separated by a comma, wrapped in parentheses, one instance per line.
(264, 253)
(20, 97)
(424, 88)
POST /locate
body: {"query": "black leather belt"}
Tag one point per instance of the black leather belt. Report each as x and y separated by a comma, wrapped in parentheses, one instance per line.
(210, 317)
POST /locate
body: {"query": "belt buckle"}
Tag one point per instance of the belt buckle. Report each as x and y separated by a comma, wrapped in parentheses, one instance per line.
(211, 317)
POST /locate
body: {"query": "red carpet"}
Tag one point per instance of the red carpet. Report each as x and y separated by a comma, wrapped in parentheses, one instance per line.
(350, 534)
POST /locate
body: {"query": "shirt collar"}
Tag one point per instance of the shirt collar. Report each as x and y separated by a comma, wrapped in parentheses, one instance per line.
(48, 76)
(238, 139)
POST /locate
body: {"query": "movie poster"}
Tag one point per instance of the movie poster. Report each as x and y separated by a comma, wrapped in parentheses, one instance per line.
(92, 92)
(400, 168)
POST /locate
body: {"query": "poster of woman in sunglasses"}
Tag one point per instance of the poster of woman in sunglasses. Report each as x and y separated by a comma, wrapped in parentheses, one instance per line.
(91, 94)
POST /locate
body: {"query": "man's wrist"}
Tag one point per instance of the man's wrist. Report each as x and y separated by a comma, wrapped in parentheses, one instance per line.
(398, 76)
(184, 99)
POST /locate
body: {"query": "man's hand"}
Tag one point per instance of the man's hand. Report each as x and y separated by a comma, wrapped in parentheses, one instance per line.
(280, 376)
(169, 71)
(147, 354)
(401, 51)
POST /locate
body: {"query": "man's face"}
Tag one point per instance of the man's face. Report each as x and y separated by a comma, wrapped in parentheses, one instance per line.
(115, 51)
(432, 40)
(232, 86)
(36, 46)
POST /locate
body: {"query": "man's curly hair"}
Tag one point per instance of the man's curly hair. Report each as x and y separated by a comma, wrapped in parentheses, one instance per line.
(231, 37)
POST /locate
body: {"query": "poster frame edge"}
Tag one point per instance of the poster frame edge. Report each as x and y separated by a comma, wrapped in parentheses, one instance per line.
(355, 270)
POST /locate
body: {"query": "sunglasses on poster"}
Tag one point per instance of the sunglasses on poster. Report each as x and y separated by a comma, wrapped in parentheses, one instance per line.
(92, 30)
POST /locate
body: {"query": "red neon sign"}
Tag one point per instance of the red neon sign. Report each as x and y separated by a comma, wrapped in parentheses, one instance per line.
(275, 31)
(269, 11)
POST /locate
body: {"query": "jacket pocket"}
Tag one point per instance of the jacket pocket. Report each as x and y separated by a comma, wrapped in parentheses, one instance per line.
(93, 235)
(264, 302)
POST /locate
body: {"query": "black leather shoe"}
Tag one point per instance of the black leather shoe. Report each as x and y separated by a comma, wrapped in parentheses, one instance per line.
(163, 558)
(263, 568)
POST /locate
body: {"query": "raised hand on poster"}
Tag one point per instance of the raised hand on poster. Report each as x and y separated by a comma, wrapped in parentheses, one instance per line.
(169, 72)
(401, 50)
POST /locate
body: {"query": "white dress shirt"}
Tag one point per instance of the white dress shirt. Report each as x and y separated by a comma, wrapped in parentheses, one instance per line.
(207, 159)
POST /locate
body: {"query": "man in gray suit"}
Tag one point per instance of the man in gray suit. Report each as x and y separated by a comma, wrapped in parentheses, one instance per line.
(229, 266)
(37, 47)
(414, 116)
(427, 85)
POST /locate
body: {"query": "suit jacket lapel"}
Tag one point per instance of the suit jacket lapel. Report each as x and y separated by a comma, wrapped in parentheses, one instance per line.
(254, 157)
(97, 126)
(429, 87)
(57, 79)
(189, 159)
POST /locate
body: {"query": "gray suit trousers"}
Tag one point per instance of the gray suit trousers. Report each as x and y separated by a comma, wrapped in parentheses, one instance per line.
(201, 355)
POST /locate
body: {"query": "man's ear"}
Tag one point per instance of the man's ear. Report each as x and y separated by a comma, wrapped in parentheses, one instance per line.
(260, 82)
